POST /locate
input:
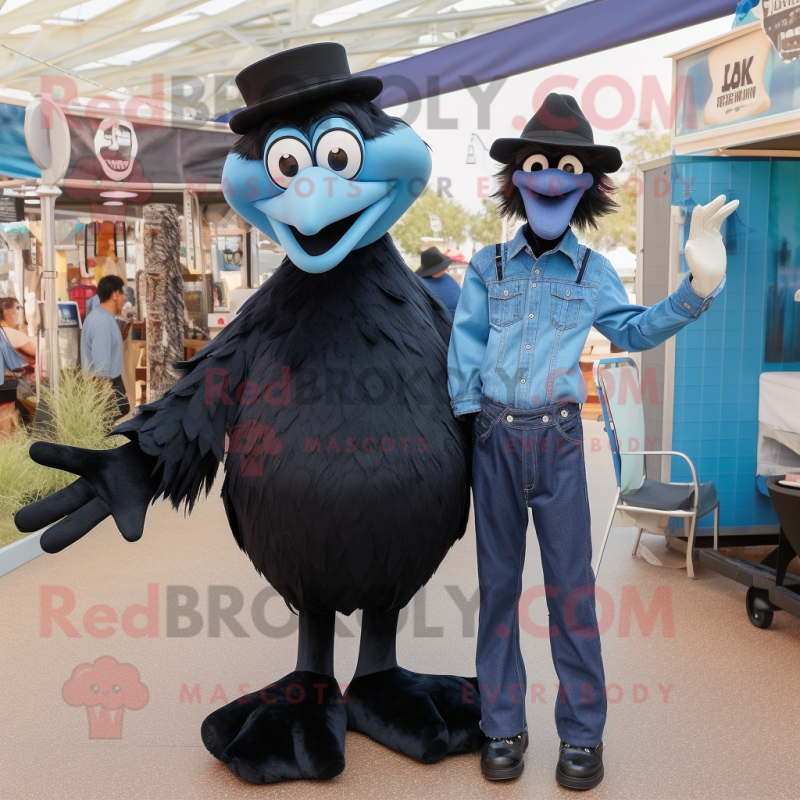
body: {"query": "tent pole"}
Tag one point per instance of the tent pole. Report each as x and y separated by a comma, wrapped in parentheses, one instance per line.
(47, 199)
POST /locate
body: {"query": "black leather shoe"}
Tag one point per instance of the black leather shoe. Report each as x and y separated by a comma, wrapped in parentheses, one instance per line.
(579, 767)
(501, 759)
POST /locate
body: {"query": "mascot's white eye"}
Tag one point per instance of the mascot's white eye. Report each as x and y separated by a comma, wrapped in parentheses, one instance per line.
(535, 163)
(340, 152)
(285, 159)
(571, 164)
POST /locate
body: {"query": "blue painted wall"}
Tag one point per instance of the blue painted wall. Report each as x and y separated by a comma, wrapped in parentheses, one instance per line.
(719, 358)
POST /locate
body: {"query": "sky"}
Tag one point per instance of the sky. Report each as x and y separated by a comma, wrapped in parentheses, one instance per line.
(606, 76)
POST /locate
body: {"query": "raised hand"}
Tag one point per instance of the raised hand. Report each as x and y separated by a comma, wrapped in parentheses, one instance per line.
(705, 250)
(117, 482)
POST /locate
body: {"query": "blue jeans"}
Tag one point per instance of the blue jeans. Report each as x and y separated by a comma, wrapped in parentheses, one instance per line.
(533, 458)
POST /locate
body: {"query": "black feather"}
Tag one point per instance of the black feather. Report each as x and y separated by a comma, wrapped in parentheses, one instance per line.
(351, 493)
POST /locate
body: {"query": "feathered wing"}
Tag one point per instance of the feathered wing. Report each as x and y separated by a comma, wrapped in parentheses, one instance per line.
(185, 429)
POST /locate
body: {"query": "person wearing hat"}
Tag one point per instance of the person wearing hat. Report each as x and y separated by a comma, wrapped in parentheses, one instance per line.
(433, 267)
(525, 311)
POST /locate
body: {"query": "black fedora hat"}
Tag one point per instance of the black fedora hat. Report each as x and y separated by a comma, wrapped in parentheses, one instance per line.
(295, 77)
(433, 260)
(559, 123)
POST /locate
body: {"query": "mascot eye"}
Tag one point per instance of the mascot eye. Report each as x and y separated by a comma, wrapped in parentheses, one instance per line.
(571, 164)
(285, 159)
(535, 163)
(340, 152)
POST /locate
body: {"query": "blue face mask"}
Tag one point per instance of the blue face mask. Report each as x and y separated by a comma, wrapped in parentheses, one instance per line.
(326, 194)
(551, 197)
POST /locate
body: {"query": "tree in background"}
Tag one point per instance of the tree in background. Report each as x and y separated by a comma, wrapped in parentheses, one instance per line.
(485, 226)
(619, 229)
(417, 222)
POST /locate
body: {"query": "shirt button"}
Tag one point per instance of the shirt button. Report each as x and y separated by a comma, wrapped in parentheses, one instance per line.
(531, 316)
(563, 412)
(505, 292)
(537, 271)
(686, 305)
(527, 347)
(567, 293)
(545, 418)
(509, 418)
(534, 285)
(523, 380)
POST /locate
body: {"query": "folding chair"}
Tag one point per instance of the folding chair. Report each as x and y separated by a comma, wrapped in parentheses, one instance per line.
(641, 502)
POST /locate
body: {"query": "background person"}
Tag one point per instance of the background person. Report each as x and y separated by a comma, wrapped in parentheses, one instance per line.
(17, 351)
(11, 322)
(101, 338)
(433, 269)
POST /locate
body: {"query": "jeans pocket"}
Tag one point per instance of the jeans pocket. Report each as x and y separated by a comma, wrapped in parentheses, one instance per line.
(571, 429)
(483, 426)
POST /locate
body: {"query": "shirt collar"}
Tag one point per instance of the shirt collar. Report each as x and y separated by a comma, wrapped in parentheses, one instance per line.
(568, 245)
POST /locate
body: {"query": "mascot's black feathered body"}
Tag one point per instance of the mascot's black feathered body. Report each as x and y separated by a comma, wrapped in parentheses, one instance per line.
(346, 479)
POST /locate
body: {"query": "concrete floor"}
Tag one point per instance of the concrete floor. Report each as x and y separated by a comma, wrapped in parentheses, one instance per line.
(729, 727)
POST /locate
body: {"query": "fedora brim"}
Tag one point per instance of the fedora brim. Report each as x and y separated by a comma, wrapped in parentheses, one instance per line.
(604, 157)
(366, 87)
(426, 272)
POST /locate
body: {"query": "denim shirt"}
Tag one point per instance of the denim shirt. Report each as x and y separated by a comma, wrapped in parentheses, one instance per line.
(518, 340)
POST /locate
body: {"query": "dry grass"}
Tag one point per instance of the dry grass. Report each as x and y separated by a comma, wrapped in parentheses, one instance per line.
(83, 412)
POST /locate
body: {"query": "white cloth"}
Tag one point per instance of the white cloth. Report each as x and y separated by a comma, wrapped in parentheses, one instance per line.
(778, 423)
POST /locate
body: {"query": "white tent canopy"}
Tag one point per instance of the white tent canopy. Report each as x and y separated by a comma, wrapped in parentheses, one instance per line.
(198, 47)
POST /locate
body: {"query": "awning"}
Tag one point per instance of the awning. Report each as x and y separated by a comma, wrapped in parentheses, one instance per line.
(124, 152)
(551, 39)
(15, 160)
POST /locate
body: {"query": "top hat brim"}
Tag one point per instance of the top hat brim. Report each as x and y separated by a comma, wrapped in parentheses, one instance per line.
(605, 157)
(366, 87)
(426, 272)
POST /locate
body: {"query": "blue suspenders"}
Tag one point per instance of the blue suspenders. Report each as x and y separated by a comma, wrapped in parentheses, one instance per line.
(498, 262)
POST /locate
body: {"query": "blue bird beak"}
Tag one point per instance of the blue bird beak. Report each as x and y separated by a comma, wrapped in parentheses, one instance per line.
(551, 197)
(325, 216)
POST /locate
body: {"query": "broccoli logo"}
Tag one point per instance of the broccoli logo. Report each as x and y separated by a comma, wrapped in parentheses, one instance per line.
(106, 688)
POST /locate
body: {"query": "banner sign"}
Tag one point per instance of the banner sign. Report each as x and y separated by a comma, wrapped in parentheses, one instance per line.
(781, 21)
(741, 79)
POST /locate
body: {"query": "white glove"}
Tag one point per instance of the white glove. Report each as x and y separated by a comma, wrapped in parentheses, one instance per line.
(705, 250)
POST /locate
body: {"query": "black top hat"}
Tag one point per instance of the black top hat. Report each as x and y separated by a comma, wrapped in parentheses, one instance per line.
(560, 123)
(296, 77)
(433, 260)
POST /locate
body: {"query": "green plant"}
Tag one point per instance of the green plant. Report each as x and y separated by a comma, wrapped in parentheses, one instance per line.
(82, 412)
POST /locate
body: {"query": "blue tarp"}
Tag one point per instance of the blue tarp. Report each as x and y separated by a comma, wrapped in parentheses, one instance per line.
(15, 160)
(551, 39)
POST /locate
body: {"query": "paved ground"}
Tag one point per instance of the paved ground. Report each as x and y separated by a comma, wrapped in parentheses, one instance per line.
(728, 728)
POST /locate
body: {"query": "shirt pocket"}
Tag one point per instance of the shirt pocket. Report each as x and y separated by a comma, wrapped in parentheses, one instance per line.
(565, 305)
(505, 302)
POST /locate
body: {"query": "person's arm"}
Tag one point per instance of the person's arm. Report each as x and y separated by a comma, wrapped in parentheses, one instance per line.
(468, 341)
(21, 342)
(633, 327)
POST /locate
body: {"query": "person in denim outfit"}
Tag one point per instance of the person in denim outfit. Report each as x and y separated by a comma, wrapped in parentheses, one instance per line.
(525, 311)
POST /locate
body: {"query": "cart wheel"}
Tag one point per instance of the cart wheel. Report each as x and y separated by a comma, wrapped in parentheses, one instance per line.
(756, 598)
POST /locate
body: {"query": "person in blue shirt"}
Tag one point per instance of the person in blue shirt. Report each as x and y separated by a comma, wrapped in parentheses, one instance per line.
(101, 338)
(433, 271)
(525, 311)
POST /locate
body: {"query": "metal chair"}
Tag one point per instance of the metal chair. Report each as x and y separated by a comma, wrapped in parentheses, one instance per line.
(641, 502)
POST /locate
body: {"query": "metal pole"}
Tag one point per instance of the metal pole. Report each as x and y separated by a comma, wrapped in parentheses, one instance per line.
(47, 200)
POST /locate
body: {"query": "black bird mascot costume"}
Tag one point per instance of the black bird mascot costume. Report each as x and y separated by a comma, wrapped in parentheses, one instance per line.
(346, 480)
